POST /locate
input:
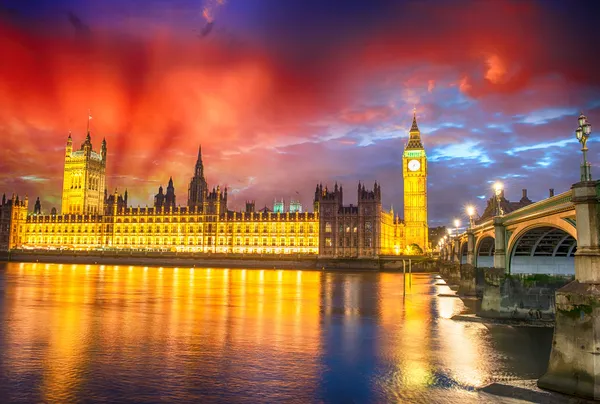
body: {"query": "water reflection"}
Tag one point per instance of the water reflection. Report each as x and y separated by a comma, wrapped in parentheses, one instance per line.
(107, 333)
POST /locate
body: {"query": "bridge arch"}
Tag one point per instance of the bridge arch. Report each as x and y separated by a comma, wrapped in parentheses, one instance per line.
(543, 248)
(485, 246)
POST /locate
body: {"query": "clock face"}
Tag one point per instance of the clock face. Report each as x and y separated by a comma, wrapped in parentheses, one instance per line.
(414, 165)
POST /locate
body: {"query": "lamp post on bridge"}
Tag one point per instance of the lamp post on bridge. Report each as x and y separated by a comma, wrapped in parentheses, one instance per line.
(582, 133)
(456, 225)
(470, 236)
(471, 213)
(498, 188)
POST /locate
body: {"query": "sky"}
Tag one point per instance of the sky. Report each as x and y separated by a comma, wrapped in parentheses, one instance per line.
(283, 95)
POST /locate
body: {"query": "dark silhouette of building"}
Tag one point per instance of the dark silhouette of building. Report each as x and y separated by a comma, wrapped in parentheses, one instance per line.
(198, 188)
(507, 206)
(165, 200)
(110, 200)
(37, 208)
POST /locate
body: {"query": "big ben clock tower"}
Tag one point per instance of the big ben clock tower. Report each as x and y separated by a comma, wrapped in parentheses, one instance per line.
(414, 171)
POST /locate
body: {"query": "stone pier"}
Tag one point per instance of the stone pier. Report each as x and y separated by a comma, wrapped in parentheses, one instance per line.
(574, 366)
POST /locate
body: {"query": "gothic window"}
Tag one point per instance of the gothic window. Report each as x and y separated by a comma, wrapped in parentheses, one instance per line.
(327, 227)
(368, 227)
(341, 242)
(347, 229)
(327, 241)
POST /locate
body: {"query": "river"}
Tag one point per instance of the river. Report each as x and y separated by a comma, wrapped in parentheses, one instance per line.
(74, 333)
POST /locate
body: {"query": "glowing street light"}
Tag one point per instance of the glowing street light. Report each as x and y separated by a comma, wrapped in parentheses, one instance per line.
(457, 225)
(582, 133)
(470, 213)
(498, 188)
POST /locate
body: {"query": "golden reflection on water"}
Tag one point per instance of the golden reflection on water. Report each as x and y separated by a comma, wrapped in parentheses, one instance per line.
(241, 332)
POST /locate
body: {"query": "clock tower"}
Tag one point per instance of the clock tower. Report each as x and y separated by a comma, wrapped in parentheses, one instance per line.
(414, 172)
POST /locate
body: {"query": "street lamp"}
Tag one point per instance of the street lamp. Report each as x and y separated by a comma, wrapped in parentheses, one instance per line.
(582, 133)
(498, 187)
(457, 225)
(471, 213)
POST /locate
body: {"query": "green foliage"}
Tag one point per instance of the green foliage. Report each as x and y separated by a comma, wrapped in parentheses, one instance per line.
(414, 249)
(529, 280)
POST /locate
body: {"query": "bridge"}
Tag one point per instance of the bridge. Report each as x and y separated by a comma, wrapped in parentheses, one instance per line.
(559, 235)
(540, 238)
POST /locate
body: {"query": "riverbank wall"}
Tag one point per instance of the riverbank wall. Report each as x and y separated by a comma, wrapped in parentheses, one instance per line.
(173, 259)
(520, 296)
(525, 297)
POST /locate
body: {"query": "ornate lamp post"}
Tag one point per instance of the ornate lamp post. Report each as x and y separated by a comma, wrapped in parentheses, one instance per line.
(582, 133)
(470, 213)
(498, 187)
(456, 225)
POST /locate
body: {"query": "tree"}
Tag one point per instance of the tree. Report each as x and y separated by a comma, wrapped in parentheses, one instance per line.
(414, 249)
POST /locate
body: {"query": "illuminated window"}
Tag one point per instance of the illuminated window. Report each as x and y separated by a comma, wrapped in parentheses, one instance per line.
(327, 227)
(327, 241)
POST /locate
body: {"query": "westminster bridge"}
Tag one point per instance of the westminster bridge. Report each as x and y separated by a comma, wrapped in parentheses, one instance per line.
(540, 238)
(556, 236)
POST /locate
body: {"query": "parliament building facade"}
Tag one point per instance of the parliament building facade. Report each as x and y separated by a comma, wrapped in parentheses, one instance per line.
(92, 219)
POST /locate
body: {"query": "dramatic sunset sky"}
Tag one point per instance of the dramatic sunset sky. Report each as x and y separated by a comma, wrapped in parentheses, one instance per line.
(283, 94)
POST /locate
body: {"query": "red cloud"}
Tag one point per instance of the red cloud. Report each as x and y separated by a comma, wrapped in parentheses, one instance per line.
(156, 99)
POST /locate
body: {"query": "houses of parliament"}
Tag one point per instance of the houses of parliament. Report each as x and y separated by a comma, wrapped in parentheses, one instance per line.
(92, 219)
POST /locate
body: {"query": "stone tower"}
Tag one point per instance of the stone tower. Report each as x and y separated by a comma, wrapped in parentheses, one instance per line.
(414, 172)
(84, 178)
(198, 188)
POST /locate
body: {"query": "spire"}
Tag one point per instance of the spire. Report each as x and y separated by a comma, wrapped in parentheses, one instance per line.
(170, 182)
(414, 127)
(199, 165)
(414, 141)
(88, 123)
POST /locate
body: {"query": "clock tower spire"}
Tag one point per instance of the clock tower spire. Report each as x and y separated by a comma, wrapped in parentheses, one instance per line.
(414, 172)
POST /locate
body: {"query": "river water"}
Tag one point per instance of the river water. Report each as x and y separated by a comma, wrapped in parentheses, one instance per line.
(91, 333)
